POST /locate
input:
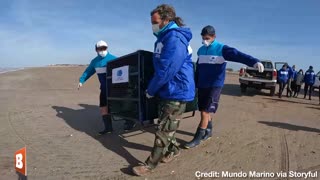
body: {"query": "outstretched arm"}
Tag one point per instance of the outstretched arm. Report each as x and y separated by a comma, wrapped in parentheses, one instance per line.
(232, 54)
(87, 73)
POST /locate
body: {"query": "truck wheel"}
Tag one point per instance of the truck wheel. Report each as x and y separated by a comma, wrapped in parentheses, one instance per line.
(243, 88)
(272, 91)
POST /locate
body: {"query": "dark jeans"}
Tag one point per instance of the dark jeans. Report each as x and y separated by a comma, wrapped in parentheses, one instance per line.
(308, 87)
(289, 88)
(297, 90)
(282, 85)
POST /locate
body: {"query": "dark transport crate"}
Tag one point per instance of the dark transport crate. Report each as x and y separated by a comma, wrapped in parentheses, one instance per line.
(127, 80)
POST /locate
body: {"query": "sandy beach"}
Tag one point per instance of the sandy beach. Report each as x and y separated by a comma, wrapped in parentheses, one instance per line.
(42, 109)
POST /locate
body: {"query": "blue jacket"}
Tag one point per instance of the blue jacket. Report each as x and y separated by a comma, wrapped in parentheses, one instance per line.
(174, 73)
(295, 73)
(283, 75)
(309, 77)
(211, 64)
(98, 65)
(290, 71)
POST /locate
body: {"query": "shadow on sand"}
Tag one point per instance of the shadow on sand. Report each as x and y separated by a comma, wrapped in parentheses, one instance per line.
(317, 108)
(290, 126)
(287, 100)
(234, 90)
(87, 120)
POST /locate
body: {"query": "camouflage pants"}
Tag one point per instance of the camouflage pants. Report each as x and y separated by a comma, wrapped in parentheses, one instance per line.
(165, 141)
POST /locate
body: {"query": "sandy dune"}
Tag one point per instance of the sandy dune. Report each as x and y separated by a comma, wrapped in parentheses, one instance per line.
(42, 109)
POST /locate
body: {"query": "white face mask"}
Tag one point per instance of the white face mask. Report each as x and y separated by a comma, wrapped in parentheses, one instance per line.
(103, 53)
(206, 42)
(155, 28)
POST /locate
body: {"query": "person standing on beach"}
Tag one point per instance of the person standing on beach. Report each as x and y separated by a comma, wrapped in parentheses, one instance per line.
(98, 65)
(299, 82)
(283, 76)
(173, 83)
(294, 79)
(210, 76)
(292, 73)
(309, 79)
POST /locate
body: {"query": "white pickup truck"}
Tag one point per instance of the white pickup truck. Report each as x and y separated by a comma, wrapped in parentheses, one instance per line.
(251, 78)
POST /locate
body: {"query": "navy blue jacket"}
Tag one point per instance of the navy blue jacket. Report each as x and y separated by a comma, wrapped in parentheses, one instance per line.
(283, 75)
(212, 62)
(309, 77)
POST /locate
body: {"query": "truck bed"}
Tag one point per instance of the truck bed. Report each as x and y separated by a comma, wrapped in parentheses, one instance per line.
(254, 74)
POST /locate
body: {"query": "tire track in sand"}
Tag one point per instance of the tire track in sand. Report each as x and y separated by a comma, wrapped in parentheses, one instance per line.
(284, 155)
(17, 116)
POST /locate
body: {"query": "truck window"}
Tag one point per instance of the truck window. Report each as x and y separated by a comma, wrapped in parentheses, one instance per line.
(267, 65)
(279, 65)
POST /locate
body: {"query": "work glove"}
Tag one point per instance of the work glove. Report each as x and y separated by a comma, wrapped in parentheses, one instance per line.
(259, 66)
(148, 95)
(79, 85)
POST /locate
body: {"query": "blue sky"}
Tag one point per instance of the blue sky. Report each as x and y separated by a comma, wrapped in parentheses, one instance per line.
(42, 32)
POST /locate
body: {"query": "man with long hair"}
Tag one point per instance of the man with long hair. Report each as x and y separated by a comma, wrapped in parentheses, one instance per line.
(173, 83)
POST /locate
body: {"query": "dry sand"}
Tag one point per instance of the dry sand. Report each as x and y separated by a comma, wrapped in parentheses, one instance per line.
(42, 109)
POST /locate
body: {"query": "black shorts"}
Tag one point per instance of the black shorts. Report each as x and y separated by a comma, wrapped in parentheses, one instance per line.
(103, 99)
(208, 99)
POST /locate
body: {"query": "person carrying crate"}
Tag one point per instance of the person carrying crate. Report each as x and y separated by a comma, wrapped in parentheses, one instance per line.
(173, 83)
(98, 65)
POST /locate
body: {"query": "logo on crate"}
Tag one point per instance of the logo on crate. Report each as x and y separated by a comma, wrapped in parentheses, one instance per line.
(120, 75)
(20, 161)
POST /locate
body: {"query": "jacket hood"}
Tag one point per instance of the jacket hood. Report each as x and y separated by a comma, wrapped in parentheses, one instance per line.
(186, 32)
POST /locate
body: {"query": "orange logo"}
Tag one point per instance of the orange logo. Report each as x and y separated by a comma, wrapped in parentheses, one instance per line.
(20, 161)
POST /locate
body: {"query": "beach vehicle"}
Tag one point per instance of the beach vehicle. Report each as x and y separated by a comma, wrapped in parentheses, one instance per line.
(250, 77)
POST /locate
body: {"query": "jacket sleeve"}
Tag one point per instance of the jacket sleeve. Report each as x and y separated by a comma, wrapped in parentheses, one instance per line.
(290, 72)
(232, 54)
(196, 75)
(171, 60)
(314, 78)
(87, 73)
